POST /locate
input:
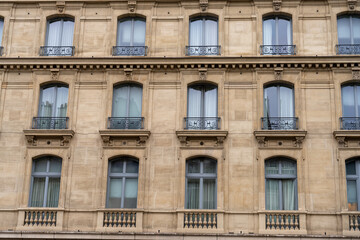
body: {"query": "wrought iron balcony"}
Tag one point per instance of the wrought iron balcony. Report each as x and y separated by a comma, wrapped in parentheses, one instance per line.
(347, 49)
(279, 123)
(1, 51)
(278, 49)
(125, 123)
(350, 123)
(129, 50)
(57, 51)
(50, 123)
(203, 50)
(202, 123)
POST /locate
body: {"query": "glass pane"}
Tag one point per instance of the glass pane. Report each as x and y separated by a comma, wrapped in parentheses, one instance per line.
(135, 101)
(117, 167)
(40, 165)
(124, 33)
(53, 192)
(350, 168)
(38, 191)
(271, 102)
(209, 166)
(131, 188)
(286, 102)
(55, 165)
(1, 29)
(193, 166)
(356, 30)
(211, 33)
(139, 32)
(115, 193)
(348, 101)
(284, 32)
(132, 167)
(67, 33)
(272, 195)
(269, 32)
(272, 167)
(196, 33)
(194, 102)
(47, 102)
(289, 194)
(193, 189)
(343, 24)
(209, 194)
(120, 102)
(210, 102)
(288, 167)
(54, 33)
(352, 195)
(61, 101)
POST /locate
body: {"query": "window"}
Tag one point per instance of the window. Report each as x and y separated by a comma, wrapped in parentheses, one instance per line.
(277, 34)
(52, 107)
(203, 39)
(202, 107)
(126, 108)
(350, 97)
(279, 108)
(59, 38)
(122, 183)
(280, 184)
(353, 184)
(348, 34)
(201, 184)
(130, 37)
(45, 182)
(1, 34)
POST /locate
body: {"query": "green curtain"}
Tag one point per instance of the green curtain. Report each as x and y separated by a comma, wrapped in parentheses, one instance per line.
(288, 190)
(38, 191)
(53, 192)
(209, 194)
(193, 190)
(272, 194)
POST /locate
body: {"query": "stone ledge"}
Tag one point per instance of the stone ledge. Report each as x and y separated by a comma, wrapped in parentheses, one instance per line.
(347, 138)
(49, 138)
(201, 138)
(114, 138)
(282, 139)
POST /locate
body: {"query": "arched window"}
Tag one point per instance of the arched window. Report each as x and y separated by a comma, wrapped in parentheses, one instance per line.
(277, 36)
(348, 34)
(202, 107)
(350, 98)
(45, 182)
(280, 184)
(122, 183)
(52, 107)
(353, 184)
(279, 107)
(203, 36)
(130, 37)
(126, 108)
(59, 38)
(201, 183)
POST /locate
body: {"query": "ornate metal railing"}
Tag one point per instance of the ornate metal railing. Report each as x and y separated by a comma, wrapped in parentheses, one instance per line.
(286, 221)
(202, 123)
(1, 51)
(279, 123)
(119, 219)
(40, 218)
(50, 123)
(278, 49)
(354, 222)
(350, 123)
(57, 51)
(125, 123)
(203, 50)
(129, 51)
(347, 49)
(200, 220)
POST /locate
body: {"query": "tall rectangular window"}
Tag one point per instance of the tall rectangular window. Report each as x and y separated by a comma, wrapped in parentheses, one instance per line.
(1, 30)
(350, 98)
(348, 27)
(353, 184)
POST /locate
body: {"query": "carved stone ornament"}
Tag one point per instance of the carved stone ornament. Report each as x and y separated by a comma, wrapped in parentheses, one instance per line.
(277, 5)
(112, 138)
(352, 4)
(280, 139)
(60, 5)
(278, 72)
(131, 6)
(348, 138)
(48, 138)
(202, 74)
(356, 73)
(54, 74)
(203, 4)
(128, 73)
(201, 138)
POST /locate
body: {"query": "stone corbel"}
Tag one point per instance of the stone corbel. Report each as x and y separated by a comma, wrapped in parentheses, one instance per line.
(352, 4)
(128, 73)
(60, 5)
(141, 140)
(278, 72)
(298, 141)
(355, 73)
(202, 74)
(261, 141)
(183, 140)
(65, 140)
(31, 140)
(342, 141)
(106, 140)
(203, 4)
(131, 6)
(277, 5)
(55, 74)
(220, 140)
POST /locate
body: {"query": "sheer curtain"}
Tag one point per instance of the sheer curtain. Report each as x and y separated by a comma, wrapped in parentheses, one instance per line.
(271, 102)
(139, 32)
(288, 190)
(135, 101)
(348, 101)
(193, 197)
(61, 101)
(38, 191)
(1, 30)
(54, 33)
(120, 101)
(131, 189)
(53, 192)
(196, 33)
(47, 102)
(209, 194)
(124, 33)
(344, 31)
(115, 193)
(211, 33)
(67, 33)
(272, 192)
(356, 30)
(210, 102)
(286, 102)
(269, 30)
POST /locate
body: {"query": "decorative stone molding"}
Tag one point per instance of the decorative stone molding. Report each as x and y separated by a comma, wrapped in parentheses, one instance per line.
(202, 74)
(131, 6)
(278, 72)
(348, 138)
(352, 4)
(55, 74)
(60, 5)
(48, 138)
(277, 5)
(114, 138)
(201, 138)
(128, 73)
(280, 139)
(203, 5)
(355, 73)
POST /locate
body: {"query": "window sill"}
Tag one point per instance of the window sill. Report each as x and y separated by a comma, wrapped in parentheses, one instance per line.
(201, 138)
(115, 138)
(49, 138)
(284, 139)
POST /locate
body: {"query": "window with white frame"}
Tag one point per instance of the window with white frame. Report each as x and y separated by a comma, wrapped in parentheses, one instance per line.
(45, 182)
(353, 183)
(280, 184)
(201, 182)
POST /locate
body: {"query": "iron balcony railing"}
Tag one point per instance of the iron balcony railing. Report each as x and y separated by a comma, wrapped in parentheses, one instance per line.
(278, 49)
(279, 123)
(350, 123)
(1, 51)
(203, 50)
(129, 50)
(202, 123)
(50, 123)
(347, 49)
(125, 123)
(57, 51)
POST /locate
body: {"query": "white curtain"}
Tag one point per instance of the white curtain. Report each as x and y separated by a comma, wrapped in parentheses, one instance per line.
(210, 102)
(1, 30)
(47, 102)
(115, 193)
(286, 102)
(356, 30)
(193, 197)
(124, 33)
(348, 101)
(344, 31)
(211, 33)
(139, 32)
(131, 189)
(38, 191)
(271, 102)
(120, 102)
(67, 33)
(196, 33)
(135, 100)
(269, 31)
(288, 190)
(53, 192)
(54, 33)
(194, 104)
(209, 194)
(283, 32)
(61, 101)
(272, 192)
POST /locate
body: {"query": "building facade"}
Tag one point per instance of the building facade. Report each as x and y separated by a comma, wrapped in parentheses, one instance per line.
(180, 119)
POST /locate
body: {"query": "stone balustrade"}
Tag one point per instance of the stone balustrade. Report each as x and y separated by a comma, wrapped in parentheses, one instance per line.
(40, 218)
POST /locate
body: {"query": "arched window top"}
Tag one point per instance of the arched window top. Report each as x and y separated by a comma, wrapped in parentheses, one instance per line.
(207, 84)
(54, 84)
(131, 32)
(124, 164)
(348, 26)
(131, 18)
(203, 17)
(350, 83)
(203, 32)
(47, 164)
(127, 84)
(57, 18)
(279, 84)
(284, 16)
(59, 36)
(201, 165)
(280, 166)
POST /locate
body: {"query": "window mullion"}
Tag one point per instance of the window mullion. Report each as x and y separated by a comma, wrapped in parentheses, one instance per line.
(46, 191)
(356, 102)
(123, 192)
(276, 31)
(201, 193)
(128, 102)
(132, 33)
(61, 32)
(351, 31)
(203, 32)
(55, 101)
(278, 102)
(280, 195)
